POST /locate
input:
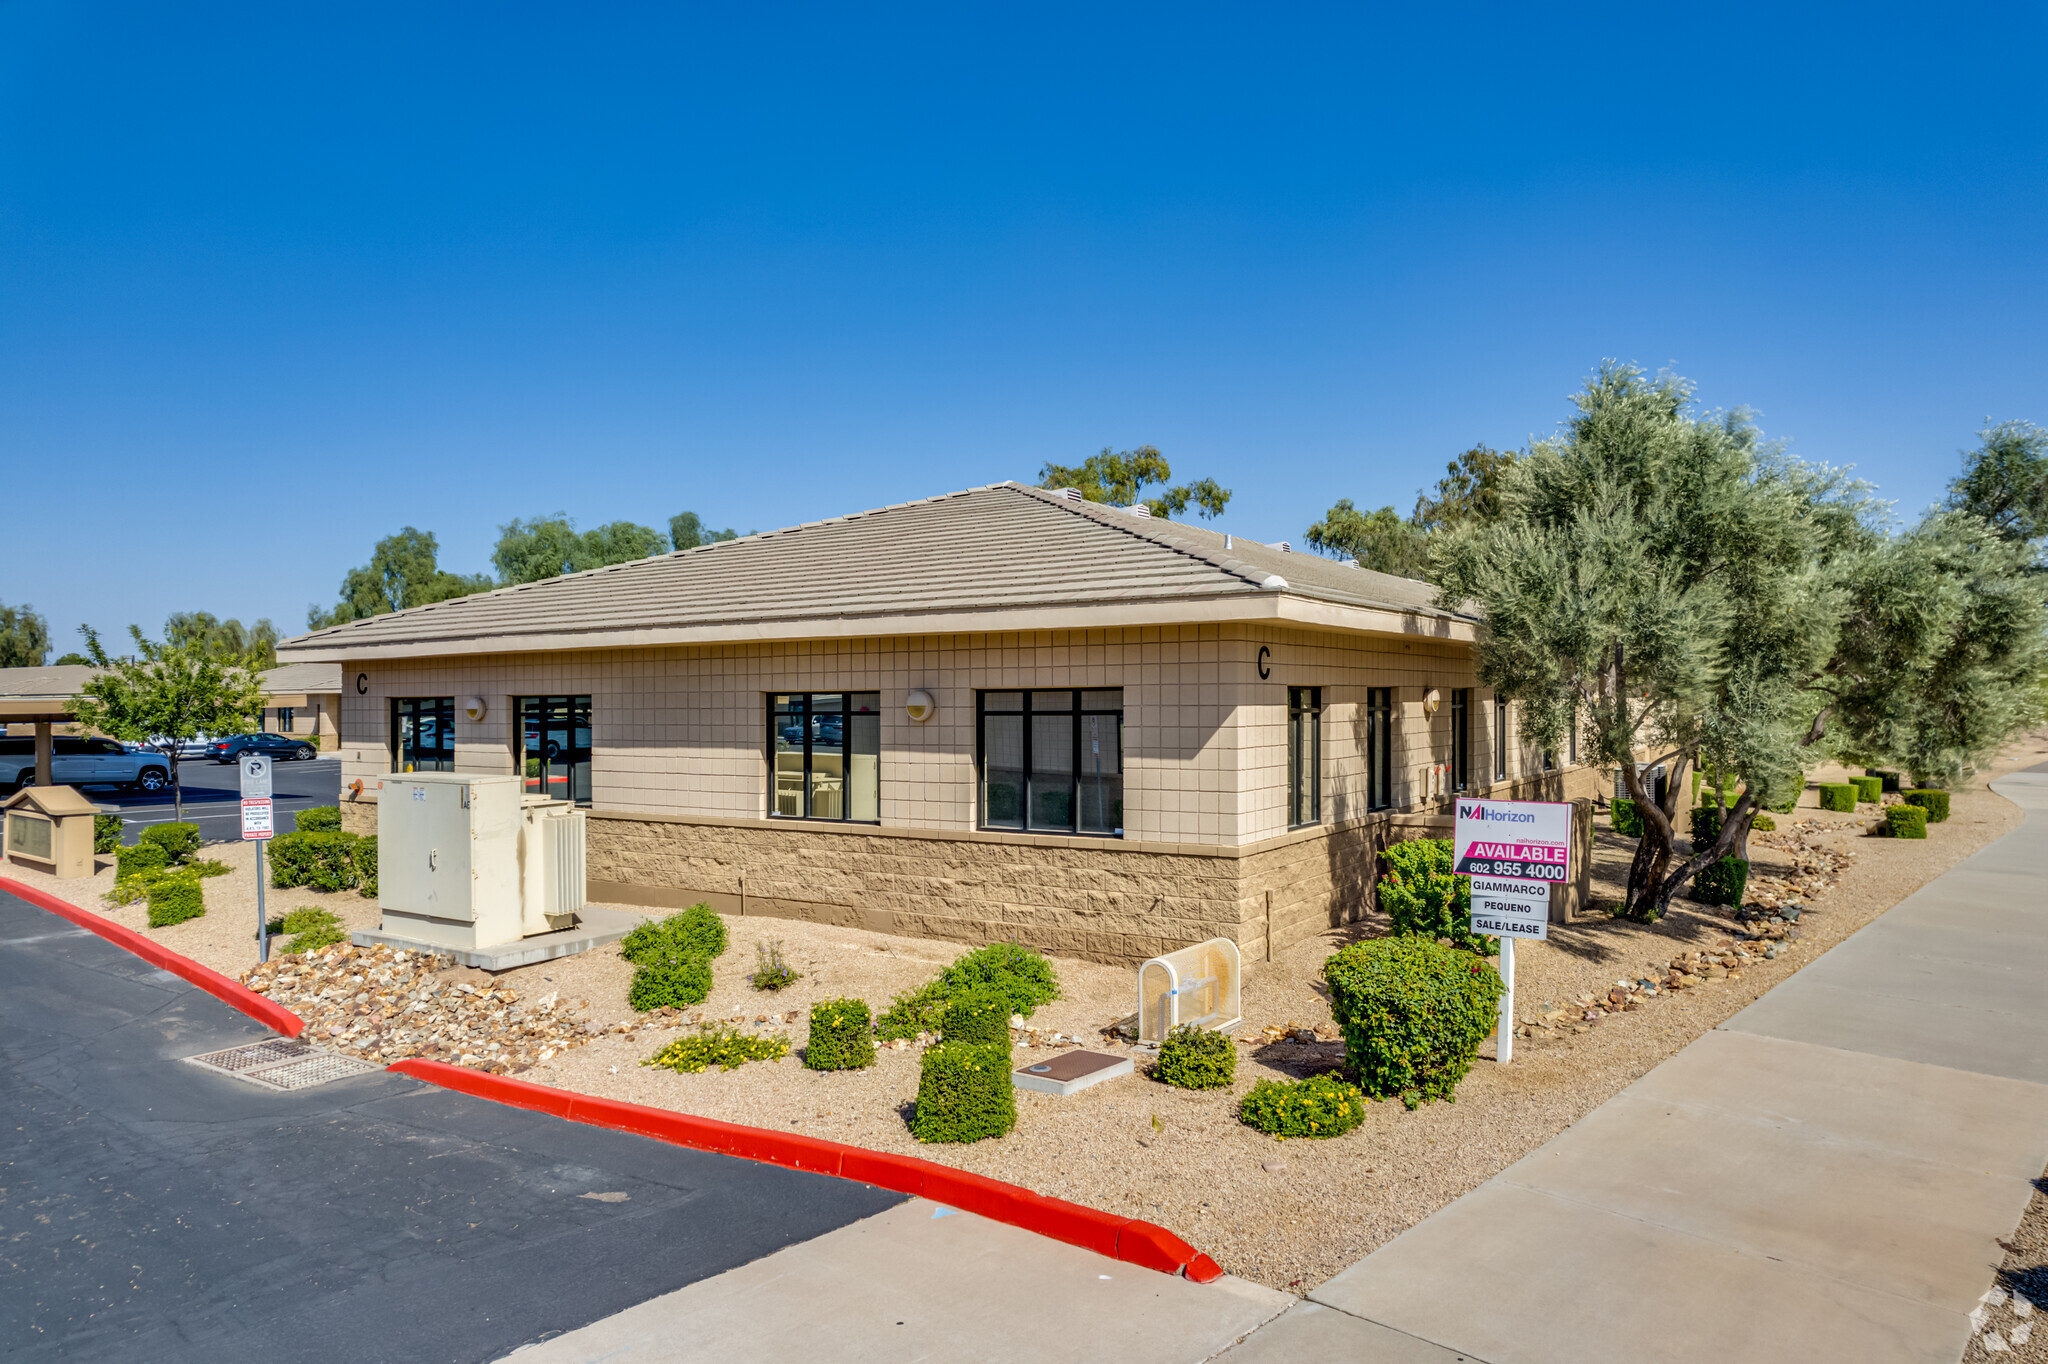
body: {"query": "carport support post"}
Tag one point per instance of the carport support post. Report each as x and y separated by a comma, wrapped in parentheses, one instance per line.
(43, 748)
(262, 923)
(1504, 1038)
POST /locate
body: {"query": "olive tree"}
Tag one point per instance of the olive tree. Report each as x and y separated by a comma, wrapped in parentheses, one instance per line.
(166, 693)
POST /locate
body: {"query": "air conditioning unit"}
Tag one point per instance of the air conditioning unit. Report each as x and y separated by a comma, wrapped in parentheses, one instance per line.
(470, 862)
(1653, 778)
(1200, 985)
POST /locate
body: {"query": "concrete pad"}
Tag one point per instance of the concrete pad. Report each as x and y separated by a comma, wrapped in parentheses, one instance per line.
(925, 1282)
(1514, 1275)
(598, 926)
(1886, 965)
(1912, 1029)
(2011, 945)
(1310, 1333)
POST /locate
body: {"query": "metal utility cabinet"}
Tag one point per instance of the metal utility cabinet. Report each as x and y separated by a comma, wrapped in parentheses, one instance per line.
(474, 867)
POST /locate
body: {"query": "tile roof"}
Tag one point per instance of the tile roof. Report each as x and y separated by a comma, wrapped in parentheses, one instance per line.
(302, 679)
(983, 550)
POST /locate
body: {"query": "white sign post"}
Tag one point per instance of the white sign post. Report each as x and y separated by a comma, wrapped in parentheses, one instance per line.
(258, 824)
(1514, 851)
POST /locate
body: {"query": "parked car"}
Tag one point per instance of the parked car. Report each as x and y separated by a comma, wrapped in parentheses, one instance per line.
(282, 747)
(83, 762)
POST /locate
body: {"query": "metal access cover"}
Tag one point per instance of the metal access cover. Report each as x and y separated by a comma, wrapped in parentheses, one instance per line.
(284, 1063)
(1070, 1072)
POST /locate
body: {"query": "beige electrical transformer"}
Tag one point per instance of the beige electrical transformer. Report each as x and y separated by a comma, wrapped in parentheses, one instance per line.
(471, 862)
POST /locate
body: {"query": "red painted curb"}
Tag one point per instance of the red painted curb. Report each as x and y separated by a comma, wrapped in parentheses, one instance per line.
(1119, 1238)
(230, 992)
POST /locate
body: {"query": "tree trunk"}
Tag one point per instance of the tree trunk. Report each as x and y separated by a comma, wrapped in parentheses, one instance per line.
(177, 790)
(1734, 828)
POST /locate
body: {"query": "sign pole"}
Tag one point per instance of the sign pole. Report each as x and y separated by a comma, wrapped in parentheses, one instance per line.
(262, 922)
(258, 823)
(1504, 1041)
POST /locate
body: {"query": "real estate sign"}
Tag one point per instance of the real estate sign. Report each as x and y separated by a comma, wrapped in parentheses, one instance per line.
(1515, 840)
(1510, 909)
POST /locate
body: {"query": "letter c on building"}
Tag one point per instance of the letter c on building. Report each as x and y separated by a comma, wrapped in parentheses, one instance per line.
(1265, 656)
(362, 683)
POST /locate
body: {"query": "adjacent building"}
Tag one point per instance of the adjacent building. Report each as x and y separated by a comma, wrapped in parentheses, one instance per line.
(1004, 713)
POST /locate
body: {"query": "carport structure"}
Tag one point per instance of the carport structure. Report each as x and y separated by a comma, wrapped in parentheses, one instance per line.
(42, 697)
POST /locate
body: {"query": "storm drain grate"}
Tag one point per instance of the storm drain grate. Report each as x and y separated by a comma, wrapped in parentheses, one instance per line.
(286, 1063)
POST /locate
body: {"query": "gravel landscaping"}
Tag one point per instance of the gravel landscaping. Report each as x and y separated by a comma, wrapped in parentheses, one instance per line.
(1600, 1003)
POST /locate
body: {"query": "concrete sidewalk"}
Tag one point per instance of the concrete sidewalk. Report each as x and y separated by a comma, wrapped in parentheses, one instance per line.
(1822, 1178)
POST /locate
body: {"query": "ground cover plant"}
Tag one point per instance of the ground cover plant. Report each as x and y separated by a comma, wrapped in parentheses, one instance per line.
(1423, 895)
(964, 1094)
(1023, 976)
(1320, 1106)
(1905, 821)
(1194, 1057)
(1413, 1013)
(673, 957)
(106, 833)
(670, 980)
(311, 928)
(174, 898)
(771, 972)
(721, 1045)
(842, 1036)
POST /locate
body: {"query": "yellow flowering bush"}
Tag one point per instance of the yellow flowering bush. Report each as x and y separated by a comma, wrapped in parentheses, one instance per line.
(1320, 1106)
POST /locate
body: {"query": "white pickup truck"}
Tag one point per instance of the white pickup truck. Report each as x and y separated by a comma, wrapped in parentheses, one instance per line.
(83, 762)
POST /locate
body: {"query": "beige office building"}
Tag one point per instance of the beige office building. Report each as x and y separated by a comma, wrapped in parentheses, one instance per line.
(998, 714)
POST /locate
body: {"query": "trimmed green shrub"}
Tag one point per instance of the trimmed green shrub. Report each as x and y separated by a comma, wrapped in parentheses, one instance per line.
(842, 1036)
(1320, 1106)
(671, 980)
(1625, 819)
(320, 819)
(1721, 883)
(179, 841)
(1905, 821)
(696, 932)
(1194, 1057)
(1935, 803)
(316, 861)
(964, 1094)
(1024, 977)
(311, 928)
(1764, 823)
(106, 833)
(1869, 790)
(1413, 1014)
(721, 1045)
(139, 860)
(1423, 896)
(771, 972)
(1706, 824)
(365, 858)
(1838, 796)
(1892, 781)
(979, 1017)
(174, 899)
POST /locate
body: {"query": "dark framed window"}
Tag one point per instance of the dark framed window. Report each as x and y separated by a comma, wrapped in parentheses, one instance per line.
(1379, 748)
(1304, 756)
(422, 733)
(554, 746)
(284, 719)
(1461, 738)
(825, 753)
(1500, 739)
(1052, 761)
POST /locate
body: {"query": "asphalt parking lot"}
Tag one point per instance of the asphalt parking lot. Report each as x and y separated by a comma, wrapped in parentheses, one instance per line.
(213, 796)
(155, 1210)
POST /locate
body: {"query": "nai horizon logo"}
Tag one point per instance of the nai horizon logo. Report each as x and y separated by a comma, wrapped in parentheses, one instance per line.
(1479, 809)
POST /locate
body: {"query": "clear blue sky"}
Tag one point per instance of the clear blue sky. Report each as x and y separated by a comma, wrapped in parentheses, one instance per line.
(277, 280)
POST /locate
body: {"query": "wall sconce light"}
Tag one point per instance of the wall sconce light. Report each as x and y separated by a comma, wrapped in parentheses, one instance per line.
(473, 707)
(919, 706)
(1431, 699)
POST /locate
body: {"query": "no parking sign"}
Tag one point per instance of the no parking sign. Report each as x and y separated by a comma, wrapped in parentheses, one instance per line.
(257, 820)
